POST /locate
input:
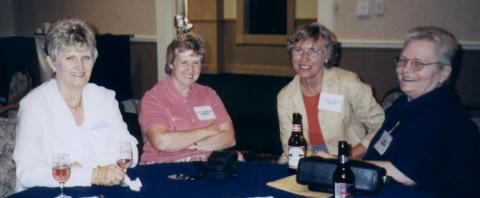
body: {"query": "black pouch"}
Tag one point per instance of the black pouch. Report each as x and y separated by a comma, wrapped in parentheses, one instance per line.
(317, 172)
(221, 164)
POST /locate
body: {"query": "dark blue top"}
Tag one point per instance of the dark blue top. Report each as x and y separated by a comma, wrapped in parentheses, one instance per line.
(436, 143)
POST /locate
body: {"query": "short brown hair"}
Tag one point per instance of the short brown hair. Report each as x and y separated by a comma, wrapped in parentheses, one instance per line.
(184, 42)
(315, 31)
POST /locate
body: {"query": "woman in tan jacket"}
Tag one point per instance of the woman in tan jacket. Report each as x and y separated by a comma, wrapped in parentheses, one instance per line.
(334, 103)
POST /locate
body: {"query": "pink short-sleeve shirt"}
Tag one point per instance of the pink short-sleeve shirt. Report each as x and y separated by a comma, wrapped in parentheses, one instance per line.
(164, 105)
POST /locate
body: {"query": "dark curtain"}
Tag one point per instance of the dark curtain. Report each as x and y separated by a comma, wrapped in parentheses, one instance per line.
(17, 54)
(112, 69)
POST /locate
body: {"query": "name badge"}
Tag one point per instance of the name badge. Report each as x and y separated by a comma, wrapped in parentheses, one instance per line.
(204, 112)
(331, 102)
(99, 125)
(383, 143)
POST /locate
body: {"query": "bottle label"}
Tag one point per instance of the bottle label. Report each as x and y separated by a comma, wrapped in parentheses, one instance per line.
(297, 127)
(344, 190)
(295, 153)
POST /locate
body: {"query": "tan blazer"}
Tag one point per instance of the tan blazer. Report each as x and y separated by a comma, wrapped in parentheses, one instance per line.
(359, 119)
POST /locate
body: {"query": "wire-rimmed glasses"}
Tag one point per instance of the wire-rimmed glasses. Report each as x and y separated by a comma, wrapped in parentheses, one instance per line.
(416, 64)
(311, 52)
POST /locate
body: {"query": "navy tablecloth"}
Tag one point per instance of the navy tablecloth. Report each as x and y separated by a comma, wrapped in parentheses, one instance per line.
(250, 182)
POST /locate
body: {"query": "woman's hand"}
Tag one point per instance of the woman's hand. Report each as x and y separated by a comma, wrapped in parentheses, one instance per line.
(394, 172)
(324, 155)
(358, 151)
(107, 175)
(75, 164)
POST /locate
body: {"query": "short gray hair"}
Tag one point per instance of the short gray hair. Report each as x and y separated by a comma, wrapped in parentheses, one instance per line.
(446, 44)
(69, 33)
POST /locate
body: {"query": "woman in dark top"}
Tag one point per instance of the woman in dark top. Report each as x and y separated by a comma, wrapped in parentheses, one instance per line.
(427, 140)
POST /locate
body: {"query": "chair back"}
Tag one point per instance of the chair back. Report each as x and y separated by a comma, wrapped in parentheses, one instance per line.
(7, 165)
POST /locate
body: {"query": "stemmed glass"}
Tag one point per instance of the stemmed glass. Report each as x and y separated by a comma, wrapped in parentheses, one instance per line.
(124, 159)
(61, 171)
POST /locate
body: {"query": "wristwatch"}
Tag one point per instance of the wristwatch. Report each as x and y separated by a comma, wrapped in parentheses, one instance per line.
(194, 146)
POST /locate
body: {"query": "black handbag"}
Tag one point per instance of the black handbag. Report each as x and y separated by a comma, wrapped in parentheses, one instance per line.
(221, 164)
(317, 172)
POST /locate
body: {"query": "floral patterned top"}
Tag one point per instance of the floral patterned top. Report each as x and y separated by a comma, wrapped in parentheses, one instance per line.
(7, 165)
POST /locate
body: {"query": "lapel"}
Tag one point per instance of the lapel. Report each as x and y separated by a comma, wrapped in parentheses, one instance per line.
(330, 84)
(299, 106)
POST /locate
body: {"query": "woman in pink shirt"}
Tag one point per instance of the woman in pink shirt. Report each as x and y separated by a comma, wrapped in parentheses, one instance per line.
(181, 120)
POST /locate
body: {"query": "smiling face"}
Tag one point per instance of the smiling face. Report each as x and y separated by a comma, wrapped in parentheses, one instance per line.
(72, 66)
(417, 83)
(310, 59)
(185, 69)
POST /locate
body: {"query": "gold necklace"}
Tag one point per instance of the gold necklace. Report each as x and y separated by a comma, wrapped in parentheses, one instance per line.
(77, 106)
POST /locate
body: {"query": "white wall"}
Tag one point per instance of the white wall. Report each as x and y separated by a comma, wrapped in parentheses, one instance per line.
(458, 16)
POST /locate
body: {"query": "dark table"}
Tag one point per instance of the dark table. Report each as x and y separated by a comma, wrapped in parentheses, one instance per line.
(250, 182)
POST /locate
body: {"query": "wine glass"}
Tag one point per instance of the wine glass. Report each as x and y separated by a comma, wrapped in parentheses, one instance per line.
(61, 171)
(124, 159)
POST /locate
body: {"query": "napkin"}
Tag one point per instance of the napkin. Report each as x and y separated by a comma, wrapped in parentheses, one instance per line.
(134, 185)
(290, 184)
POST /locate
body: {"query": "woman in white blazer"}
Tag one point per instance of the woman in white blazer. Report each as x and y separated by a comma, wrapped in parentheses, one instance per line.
(69, 115)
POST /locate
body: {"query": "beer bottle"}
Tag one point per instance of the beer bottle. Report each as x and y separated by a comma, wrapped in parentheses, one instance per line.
(297, 146)
(343, 177)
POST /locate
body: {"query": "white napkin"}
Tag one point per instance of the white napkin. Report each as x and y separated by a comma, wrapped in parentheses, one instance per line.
(134, 185)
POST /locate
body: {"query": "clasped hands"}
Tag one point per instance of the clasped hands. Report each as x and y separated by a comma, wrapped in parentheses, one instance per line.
(108, 175)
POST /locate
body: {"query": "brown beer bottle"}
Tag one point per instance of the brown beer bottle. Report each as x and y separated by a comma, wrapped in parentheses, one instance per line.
(343, 177)
(297, 146)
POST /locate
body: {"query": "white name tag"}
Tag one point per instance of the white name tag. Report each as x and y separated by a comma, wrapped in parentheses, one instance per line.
(330, 102)
(99, 125)
(383, 143)
(204, 112)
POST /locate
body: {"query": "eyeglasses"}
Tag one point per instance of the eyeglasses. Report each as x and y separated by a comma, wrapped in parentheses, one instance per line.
(417, 65)
(311, 52)
(184, 64)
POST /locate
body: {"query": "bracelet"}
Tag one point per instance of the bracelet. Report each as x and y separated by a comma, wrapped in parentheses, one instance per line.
(195, 146)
